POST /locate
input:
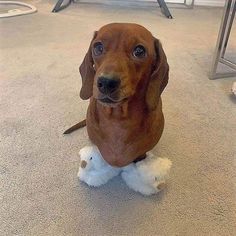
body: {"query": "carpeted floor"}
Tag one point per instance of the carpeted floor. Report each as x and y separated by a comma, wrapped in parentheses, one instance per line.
(39, 99)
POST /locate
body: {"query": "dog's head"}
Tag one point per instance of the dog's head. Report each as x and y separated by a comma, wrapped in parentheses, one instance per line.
(124, 60)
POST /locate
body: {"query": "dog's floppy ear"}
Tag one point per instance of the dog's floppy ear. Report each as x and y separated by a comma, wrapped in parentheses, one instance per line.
(87, 72)
(159, 77)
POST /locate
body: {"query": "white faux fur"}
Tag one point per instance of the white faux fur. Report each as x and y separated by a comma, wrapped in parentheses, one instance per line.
(147, 176)
(93, 169)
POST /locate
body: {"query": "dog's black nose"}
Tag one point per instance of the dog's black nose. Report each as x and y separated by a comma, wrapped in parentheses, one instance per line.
(107, 85)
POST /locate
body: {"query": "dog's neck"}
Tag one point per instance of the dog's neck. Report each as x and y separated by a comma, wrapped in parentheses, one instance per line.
(122, 111)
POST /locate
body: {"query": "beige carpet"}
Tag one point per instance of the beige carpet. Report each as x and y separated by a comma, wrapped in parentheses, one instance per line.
(39, 99)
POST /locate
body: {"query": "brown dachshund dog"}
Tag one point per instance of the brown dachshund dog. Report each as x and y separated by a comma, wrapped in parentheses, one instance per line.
(123, 74)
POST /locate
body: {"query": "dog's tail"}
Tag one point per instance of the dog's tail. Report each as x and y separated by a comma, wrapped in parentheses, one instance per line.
(79, 125)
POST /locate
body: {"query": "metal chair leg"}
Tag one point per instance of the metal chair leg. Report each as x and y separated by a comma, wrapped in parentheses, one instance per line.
(224, 32)
(229, 30)
(58, 6)
(164, 9)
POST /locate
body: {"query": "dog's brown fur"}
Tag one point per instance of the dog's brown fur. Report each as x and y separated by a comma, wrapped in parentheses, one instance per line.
(127, 129)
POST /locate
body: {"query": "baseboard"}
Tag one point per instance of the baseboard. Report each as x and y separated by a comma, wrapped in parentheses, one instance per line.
(212, 3)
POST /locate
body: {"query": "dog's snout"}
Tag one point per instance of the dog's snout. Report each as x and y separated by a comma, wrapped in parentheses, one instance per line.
(83, 164)
(107, 85)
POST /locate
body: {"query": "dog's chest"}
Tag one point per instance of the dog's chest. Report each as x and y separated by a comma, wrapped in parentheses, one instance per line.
(117, 125)
(122, 136)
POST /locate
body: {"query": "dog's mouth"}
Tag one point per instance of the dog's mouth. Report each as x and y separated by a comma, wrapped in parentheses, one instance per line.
(107, 100)
(111, 102)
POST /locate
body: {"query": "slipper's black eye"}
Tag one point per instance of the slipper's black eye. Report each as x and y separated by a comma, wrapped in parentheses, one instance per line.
(139, 51)
(97, 49)
(90, 158)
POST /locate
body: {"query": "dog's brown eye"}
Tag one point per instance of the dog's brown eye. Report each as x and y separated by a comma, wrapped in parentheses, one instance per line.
(139, 51)
(97, 49)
